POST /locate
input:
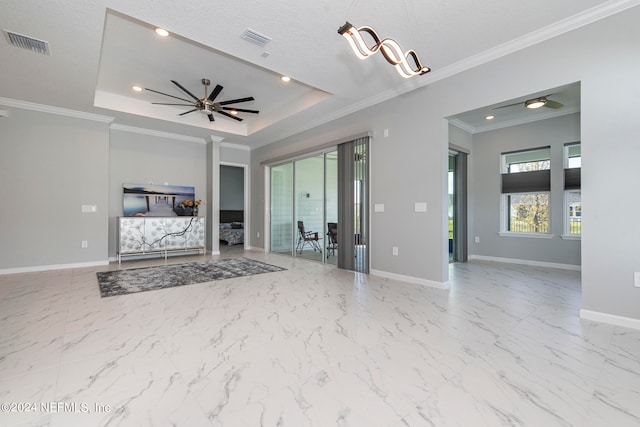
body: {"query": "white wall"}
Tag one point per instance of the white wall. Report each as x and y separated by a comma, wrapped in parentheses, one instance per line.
(410, 165)
(51, 165)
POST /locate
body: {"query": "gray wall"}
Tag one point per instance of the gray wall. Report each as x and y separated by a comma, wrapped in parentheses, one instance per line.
(231, 154)
(486, 197)
(51, 165)
(410, 165)
(141, 158)
(231, 188)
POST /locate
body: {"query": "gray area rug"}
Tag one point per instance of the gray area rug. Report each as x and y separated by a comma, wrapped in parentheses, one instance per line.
(121, 282)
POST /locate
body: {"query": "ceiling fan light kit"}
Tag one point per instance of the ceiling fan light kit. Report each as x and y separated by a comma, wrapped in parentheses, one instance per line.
(535, 103)
(389, 48)
(207, 105)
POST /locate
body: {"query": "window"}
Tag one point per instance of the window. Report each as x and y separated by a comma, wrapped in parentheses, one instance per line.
(572, 192)
(526, 183)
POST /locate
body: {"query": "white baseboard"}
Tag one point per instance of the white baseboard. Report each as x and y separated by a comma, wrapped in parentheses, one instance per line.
(410, 279)
(526, 262)
(612, 319)
(37, 268)
(254, 248)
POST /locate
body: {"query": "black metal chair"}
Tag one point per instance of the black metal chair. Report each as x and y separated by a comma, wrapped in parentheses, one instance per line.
(307, 238)
(332, 238)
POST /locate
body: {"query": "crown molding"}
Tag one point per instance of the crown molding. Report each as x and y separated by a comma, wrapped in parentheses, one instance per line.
(235, 146)
(558, 28)
(464, 126)
(55, 110)
(158, 133)
(514, 122)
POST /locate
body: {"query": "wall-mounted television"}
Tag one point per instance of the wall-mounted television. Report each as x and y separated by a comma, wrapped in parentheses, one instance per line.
(155, 200)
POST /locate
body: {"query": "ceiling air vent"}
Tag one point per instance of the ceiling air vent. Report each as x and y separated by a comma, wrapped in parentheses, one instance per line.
(29, 43)
(254, 37)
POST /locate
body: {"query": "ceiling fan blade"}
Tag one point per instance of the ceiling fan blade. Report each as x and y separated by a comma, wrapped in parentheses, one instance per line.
(508, 105)
(233, 101)
(166, 94)
(163, 103)
(553, 104)
(214, 93)
(185, 90)
(242, 110)
(187, 112)
(211, 119)
(224, 113)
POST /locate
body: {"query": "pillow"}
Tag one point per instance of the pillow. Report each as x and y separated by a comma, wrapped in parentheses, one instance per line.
(237, 225)
(225, 226)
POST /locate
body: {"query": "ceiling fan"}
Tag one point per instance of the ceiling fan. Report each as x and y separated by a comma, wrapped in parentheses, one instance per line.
(208, 104)
(533, 103)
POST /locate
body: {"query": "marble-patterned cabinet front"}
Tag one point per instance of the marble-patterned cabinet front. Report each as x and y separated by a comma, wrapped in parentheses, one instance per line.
(141, 235)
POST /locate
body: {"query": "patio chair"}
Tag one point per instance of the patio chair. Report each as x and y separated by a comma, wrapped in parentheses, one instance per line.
(332, 238)
(307, 238)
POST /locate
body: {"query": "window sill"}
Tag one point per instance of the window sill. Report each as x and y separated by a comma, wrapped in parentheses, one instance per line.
(571, 237)
(529, 235)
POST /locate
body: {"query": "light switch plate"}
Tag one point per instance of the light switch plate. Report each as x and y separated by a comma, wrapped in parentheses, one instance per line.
(636, 279)
(421, 207)
(89, 208)
(378, 207)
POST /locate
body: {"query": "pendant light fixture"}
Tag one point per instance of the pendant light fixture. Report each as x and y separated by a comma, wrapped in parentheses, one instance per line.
(390, 49)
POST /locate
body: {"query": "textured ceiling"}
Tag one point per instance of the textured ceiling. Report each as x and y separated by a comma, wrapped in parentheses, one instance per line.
(100, 48)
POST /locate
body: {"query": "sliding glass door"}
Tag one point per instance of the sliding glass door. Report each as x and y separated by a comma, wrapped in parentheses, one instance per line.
(304, 201)
(331, 207)
(309, 207)
(319, 206)
(282, 208)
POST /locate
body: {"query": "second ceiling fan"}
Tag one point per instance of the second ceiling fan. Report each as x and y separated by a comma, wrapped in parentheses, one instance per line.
(208, 103)
(533, 103)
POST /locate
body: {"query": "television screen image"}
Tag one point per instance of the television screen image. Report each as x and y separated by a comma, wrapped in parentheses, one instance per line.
(155, 200)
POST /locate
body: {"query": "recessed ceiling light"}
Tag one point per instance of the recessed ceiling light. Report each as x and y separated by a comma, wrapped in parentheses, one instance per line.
(234, 112)
(162, 32)
(136, 88)
(285, 79)
(490, 117)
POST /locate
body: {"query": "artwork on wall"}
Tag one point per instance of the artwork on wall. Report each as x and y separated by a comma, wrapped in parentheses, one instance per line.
(155, 200)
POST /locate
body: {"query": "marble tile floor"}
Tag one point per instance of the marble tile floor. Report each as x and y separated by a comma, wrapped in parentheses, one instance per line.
(313, 346)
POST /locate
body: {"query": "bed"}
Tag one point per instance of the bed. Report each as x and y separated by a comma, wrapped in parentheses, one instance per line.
(232, 227)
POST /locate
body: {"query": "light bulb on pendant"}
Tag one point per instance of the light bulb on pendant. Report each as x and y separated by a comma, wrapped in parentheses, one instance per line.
(390, 49)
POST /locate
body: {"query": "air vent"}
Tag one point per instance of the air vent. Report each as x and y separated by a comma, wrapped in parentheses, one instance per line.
(29, 43)
(254, 37)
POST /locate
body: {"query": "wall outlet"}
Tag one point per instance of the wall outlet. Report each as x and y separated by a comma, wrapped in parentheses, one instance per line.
(636, 279)
(84, 244)
(420, 207)
(477, 240)
(394, 251)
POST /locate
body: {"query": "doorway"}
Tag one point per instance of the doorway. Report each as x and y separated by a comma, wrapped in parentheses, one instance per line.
(457, 210)
(233, 221)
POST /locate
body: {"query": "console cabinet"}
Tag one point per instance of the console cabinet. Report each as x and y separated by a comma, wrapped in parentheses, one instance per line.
(153, 235)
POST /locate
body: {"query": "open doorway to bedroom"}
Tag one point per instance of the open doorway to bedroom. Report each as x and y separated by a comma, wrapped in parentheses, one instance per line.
(232, 208)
